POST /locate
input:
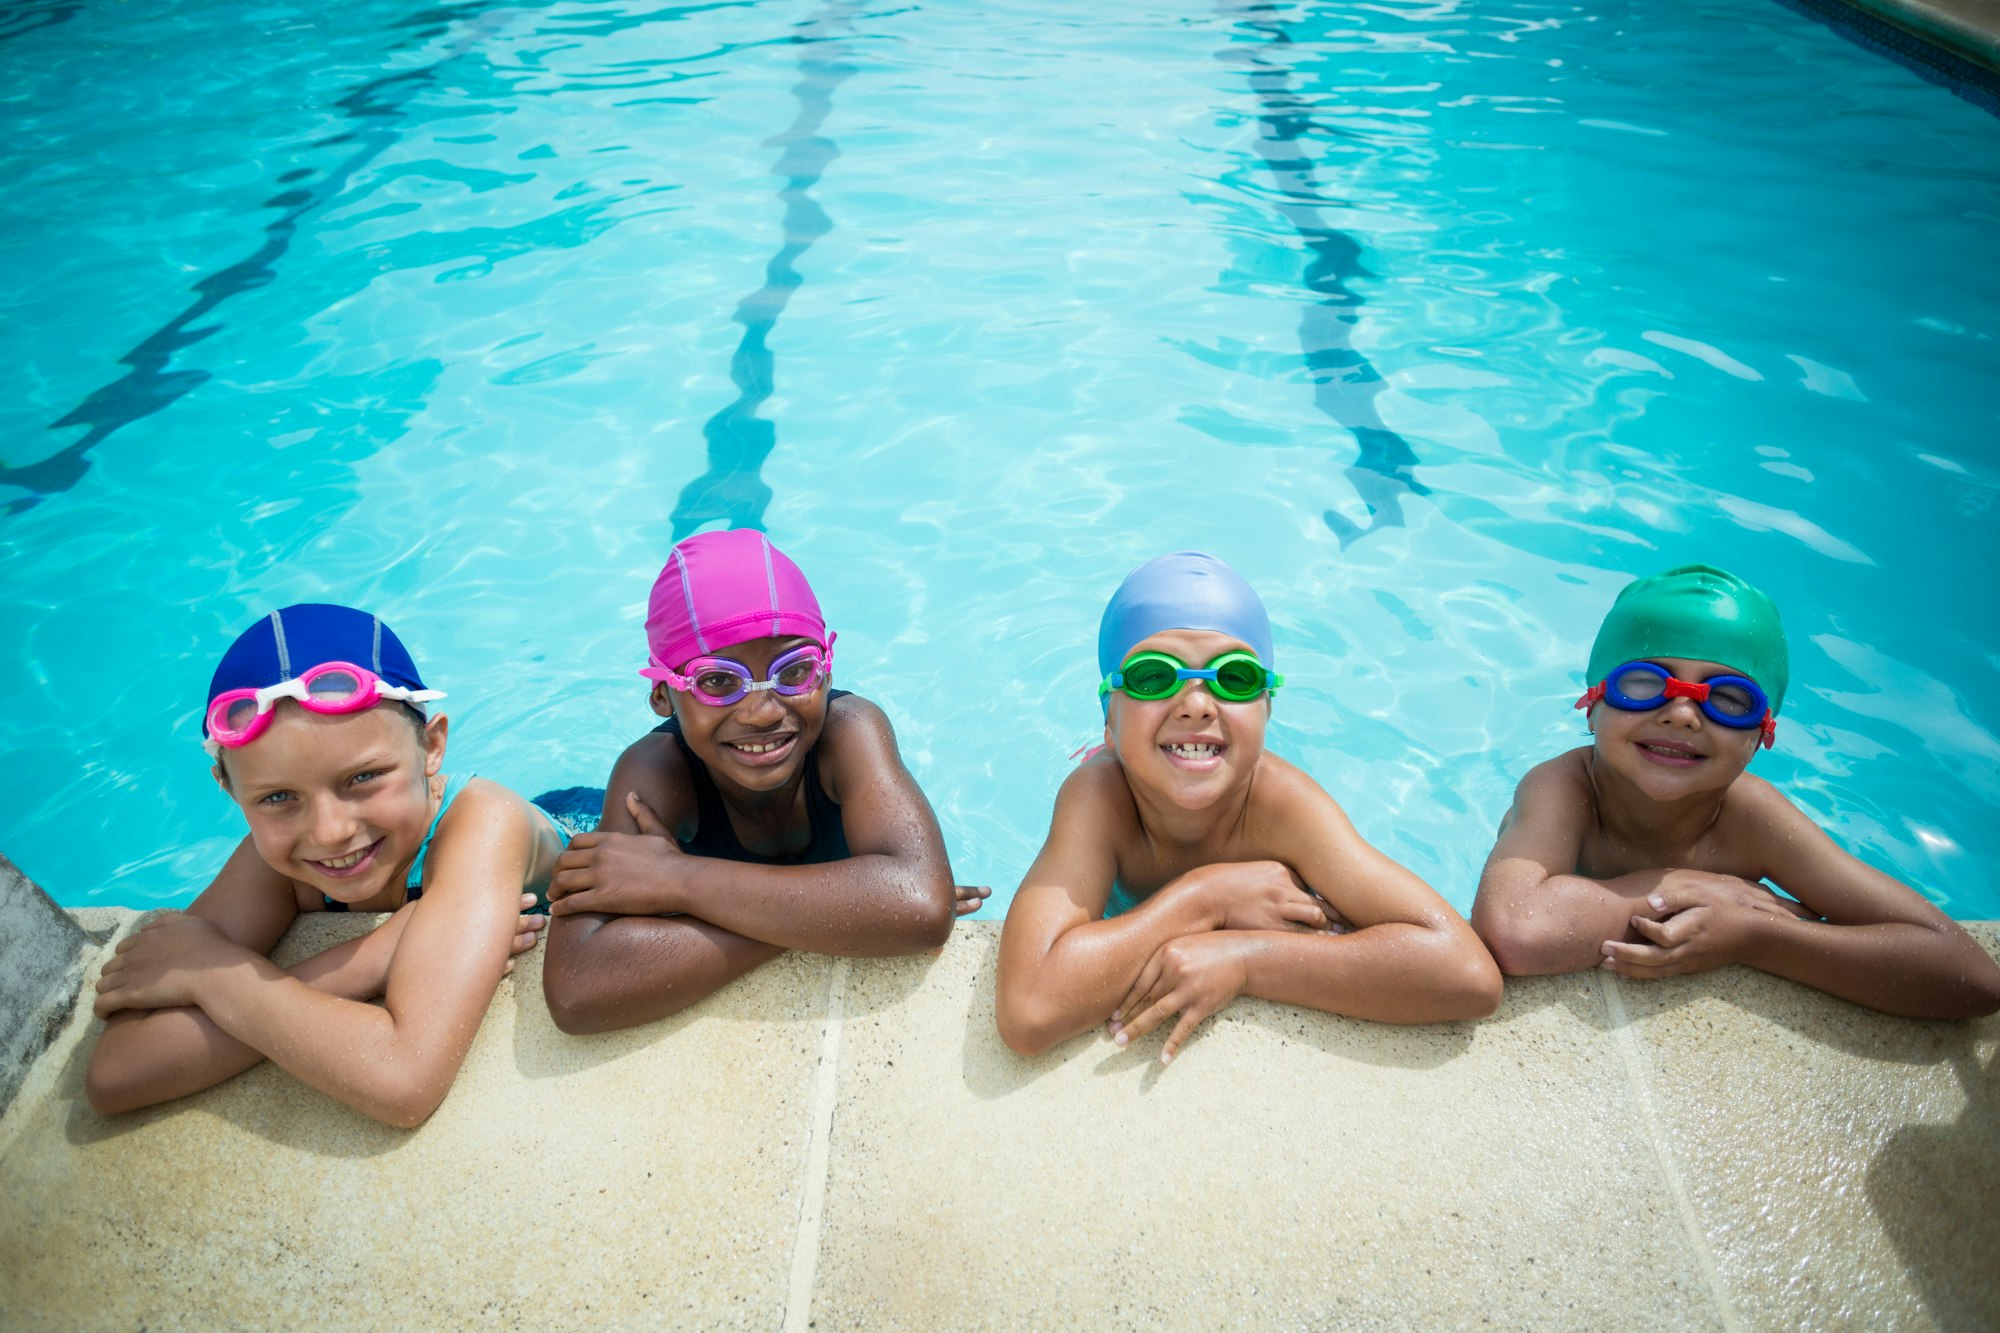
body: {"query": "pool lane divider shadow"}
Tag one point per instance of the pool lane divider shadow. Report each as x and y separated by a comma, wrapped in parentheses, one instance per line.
(1345, 383)
(151, 384)
(733, 491)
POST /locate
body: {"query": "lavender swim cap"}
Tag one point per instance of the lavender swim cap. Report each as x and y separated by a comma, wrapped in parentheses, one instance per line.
(1185, 590)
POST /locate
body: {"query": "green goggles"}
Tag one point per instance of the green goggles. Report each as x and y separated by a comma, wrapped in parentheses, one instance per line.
(1237, 677)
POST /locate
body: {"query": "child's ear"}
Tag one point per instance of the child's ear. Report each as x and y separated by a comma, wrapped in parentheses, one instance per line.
(661, 699)
(221, 776)
(435, 732)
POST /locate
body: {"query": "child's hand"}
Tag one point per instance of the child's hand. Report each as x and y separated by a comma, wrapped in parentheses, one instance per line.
(624, 874)
(160, 965)
(1193, 976)
(1266, 895)
(969, 898)
(530, 928)
(1700, 927)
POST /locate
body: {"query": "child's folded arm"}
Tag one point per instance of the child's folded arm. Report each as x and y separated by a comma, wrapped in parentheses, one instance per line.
(147, 1056)
(1881, 943)
(1536, 915)
(1062, 968)
(396, 1062)
(1406, 957)
(607, 972)
(892, 895)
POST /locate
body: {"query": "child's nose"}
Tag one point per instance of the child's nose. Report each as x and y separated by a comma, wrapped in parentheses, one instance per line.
(1195, 700)
(332, 825)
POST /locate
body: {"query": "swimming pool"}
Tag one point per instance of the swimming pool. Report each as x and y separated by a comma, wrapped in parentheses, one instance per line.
(1440, 321)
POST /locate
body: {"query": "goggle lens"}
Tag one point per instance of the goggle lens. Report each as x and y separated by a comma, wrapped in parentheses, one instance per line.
(1151, 677)
(239, 714)
(1733, 700)
(1639, 685)
(1238, 679)
(717, 684)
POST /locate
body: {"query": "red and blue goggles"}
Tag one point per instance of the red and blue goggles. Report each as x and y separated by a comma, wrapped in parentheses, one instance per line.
(1736, 702)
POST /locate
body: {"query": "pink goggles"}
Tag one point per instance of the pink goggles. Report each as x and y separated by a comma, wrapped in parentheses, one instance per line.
(237, 717)
(721, 681)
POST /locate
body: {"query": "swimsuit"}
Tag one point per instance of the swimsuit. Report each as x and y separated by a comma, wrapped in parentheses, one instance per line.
(413, 887)
(713, 835)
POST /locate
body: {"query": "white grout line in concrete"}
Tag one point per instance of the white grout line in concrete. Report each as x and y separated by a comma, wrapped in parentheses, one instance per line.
(1642, 1089)
(812, 1206)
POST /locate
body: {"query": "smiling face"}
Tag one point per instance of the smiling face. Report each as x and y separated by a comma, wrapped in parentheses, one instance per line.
(1191, 748)
(1675, 750)
(758, 743)
(337, 802)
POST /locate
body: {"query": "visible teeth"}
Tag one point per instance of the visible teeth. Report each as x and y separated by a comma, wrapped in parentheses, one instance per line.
(1190, 750)
(765, 747)
(343, 862)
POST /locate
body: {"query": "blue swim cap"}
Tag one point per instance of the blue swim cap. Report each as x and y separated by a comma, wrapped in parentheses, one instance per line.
(1185, 590)
(298, 638)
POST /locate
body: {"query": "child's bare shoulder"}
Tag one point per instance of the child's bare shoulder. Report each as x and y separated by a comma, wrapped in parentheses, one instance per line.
(1755, 812)
(490, 806)
(1096, 790)
(1282, 790)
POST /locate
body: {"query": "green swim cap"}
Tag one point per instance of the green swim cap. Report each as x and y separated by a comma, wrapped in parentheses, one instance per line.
(1696, 611)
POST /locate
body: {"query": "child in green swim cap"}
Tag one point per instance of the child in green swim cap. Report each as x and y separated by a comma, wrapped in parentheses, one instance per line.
(1647, 852)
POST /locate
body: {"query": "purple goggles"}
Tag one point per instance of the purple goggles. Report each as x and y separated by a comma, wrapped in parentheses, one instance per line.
(721, 681)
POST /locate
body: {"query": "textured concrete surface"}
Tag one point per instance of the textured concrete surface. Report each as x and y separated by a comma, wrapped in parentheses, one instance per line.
(838, 1144)
(1969, 29)
(41, 966)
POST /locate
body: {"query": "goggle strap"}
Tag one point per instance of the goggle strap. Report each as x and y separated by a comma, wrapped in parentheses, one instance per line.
(1590, 696)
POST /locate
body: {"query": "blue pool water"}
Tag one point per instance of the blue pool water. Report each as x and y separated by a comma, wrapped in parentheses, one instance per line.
(1439, 320)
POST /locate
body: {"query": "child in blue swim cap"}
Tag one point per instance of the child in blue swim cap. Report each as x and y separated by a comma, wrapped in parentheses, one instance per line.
(318, 728)
(1245, 877)
(1647, 851)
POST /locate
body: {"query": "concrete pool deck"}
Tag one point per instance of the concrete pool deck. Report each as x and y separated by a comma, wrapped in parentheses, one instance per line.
(835, 1144)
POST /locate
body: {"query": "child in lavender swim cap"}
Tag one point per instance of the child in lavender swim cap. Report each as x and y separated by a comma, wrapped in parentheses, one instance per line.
(769, 811)
(1238, 873)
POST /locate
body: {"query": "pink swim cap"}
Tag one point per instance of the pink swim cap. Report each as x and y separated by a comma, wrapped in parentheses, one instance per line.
(723, 588)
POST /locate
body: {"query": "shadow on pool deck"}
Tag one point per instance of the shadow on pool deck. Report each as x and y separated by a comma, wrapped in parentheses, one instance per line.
(848, 1142)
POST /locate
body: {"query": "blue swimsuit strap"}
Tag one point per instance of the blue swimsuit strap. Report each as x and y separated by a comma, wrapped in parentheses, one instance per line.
(452, 787)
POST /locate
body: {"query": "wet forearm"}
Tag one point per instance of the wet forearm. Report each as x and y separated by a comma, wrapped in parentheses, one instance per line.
(1897, 967)
(145, 1057)
(860, 906)
(603, 973)
(1391, 973)
(1559, 923)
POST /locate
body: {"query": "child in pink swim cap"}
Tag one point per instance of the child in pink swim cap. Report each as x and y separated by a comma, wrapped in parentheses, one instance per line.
(769, 811)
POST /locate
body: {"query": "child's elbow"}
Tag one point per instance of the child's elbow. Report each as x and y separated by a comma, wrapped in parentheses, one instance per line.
(406, 1103)
(934, 923)
(570, 1004)
(1520, 947)
(1474, 986)
(1024, 1029)
(108, 1091)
